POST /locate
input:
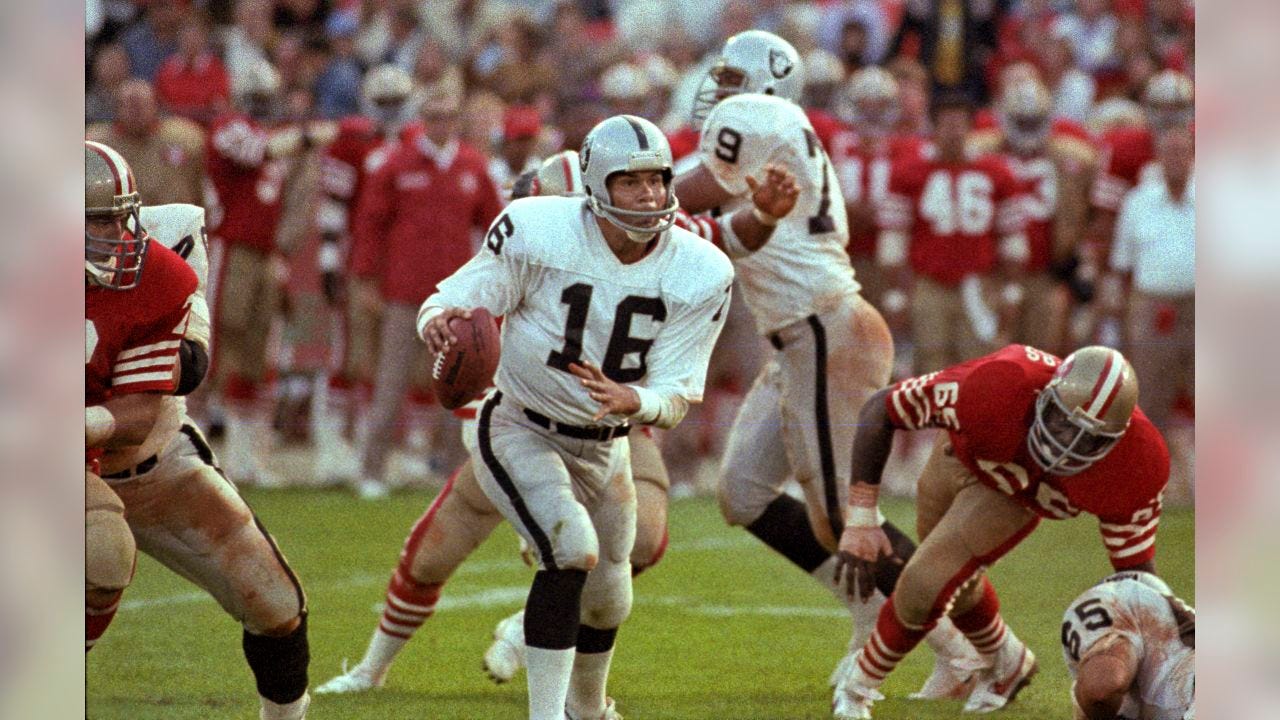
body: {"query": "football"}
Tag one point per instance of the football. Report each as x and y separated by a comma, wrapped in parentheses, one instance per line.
(465, 369)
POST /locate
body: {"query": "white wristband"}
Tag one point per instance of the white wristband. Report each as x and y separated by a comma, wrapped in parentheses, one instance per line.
(99, 425)
(763, 217)
(864, 517)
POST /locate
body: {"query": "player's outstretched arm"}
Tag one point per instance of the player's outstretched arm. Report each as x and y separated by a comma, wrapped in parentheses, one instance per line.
(863, 541)
(772, 198)
(1104, 678)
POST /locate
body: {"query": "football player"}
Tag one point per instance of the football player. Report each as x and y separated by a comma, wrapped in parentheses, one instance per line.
(1056, 169)
(954, 220)
(361, 146)
(1130, 645)
(833, 349)
(552, 454)
(1028, 436)
(462, 517)
(183, 512)
(246, 169)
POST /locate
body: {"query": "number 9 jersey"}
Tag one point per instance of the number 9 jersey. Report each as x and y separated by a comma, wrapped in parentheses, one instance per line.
(804, 263)
(1127, 610)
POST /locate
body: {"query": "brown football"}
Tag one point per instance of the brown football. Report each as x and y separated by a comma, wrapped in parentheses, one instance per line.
(465, 369)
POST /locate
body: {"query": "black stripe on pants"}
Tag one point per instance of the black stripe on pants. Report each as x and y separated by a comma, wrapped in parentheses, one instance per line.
(822, 417)
(504, 481)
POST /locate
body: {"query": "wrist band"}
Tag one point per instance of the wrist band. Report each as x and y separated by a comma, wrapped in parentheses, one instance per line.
(763, 217)
(862, 510)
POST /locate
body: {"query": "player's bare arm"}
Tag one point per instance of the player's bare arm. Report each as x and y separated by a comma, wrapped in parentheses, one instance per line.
(773, 198)
(437, 334)
(699, 191)
(1104, 678)
(614, 398)
(122, 421)
(863, 541)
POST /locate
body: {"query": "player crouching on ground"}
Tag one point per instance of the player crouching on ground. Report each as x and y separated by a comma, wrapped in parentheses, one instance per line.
(1029, 436)
(1130, 645)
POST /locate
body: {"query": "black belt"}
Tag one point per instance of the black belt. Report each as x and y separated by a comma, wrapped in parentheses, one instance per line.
(599, 433)
(140, 469)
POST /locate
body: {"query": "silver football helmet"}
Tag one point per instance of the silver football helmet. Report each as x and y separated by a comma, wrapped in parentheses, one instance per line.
(626, 143)
(384, 97)
(1084, 410)
(753, 61)
(1026, 115)
(111, 192)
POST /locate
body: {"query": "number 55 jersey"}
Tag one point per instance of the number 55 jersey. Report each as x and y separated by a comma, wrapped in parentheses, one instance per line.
(567, 298)
(1164, 685)
(803, 268)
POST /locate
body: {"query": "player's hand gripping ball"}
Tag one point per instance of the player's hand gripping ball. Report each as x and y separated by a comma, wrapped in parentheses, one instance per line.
(464, 369)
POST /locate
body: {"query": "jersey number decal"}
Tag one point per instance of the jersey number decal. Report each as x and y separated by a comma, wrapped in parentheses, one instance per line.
(578, 297)
(963, 205)
(728, 143)
(1093, 616)
(822, 222)
(499, 233)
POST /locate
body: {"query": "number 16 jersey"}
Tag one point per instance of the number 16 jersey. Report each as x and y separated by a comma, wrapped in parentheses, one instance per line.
(567, 298)
(803, 269)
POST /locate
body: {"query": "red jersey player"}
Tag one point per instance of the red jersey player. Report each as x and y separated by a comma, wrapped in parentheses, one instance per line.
(863, 152)
(363, 144)
(956, 219)
(134, 323)
(1028, 436)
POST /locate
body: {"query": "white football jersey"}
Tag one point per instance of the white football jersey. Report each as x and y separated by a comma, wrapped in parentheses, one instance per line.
(181, 228)
(566, 297)
(1164, 687)
(803, 268)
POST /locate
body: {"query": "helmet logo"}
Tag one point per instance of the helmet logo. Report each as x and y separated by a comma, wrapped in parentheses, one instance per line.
(780, 65)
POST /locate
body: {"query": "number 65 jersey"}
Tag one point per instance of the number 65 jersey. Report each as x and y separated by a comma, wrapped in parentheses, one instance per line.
(1164, 685)
(803, 269)
(567, 298)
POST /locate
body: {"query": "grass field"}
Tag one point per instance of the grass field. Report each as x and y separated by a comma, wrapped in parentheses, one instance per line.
(722, 628)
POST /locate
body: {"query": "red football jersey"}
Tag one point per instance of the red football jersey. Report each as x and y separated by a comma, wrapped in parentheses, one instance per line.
(987, 407)
(244, 192)
(1126, 151)
(864, 177)
(955, 213)
(684, 141)
(357, 151)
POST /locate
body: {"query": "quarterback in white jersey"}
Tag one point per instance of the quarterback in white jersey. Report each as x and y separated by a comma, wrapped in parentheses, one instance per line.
(610, 317)
(833, 347)
(1130, 647)
(185, 514)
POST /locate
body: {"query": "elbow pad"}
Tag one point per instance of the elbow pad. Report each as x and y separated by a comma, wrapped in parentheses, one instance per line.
(194, 361)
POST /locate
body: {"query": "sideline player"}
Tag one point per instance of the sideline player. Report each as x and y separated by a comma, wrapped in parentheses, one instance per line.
(570, 469)
(833, 347)
(170, 485)
(1029, 436)
(461, 517)
(1130, 646)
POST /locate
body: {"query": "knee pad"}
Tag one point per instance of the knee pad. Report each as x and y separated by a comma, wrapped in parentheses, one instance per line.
(109, 549)
(606, 598)
(576, 546)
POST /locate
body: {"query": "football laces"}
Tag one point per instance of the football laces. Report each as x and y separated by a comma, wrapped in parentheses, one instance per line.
(438, 366)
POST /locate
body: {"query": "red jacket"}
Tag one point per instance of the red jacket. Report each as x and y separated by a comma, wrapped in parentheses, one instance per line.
(414, 220)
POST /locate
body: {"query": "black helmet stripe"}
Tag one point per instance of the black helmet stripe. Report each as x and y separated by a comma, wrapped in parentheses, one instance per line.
(640, 136)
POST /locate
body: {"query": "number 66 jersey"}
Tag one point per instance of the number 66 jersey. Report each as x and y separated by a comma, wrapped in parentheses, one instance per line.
(803, 268)
(567, 298)
(1129, 611)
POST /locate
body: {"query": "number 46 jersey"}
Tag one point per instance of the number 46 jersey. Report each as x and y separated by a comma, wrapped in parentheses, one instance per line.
(567, 298)
(803, 268)
(1164, 686)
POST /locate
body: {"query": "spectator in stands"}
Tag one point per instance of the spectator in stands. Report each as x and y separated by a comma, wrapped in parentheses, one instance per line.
(1073, 90)
(626, 90)
(1154, 254)
(855, 26)
(913, 97)
(193, 82)
(110, 69)
(1092, 29)
(246, 42)
(154, 36)
(166, 153)
(956, 38)
(522, 72)
(303, 16)
(521, 125)
(853, 47)
(338, 87)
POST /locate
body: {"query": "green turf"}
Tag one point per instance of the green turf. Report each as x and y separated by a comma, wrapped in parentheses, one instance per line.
(721, 629)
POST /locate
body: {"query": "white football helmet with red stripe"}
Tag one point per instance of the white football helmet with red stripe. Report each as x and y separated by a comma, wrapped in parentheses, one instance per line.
(111, 193)
(1084, 410)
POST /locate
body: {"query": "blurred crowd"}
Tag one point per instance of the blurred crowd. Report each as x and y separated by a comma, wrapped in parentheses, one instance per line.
(514, 81)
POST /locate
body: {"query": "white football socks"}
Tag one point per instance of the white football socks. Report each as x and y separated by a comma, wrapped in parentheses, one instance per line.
(296, 710)
(548, 673)
(586, 700)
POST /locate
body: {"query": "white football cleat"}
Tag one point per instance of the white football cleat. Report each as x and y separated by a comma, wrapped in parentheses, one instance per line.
(852, 700)
(953, 677)
(610, 712)
(354, 680)
(842, 670)
(998, 685)
(370, 489)
(505, 656)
